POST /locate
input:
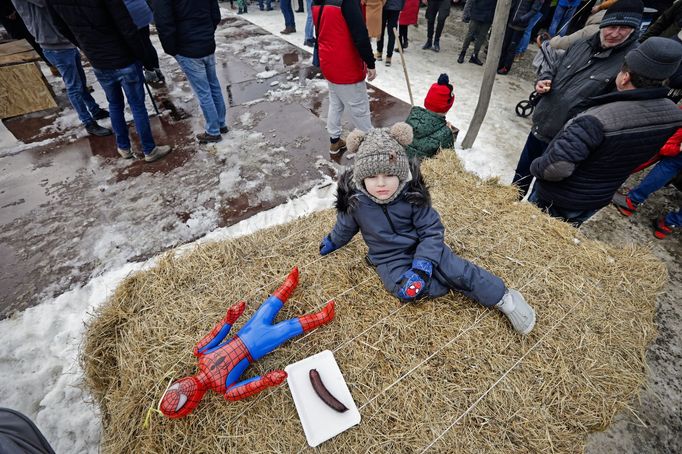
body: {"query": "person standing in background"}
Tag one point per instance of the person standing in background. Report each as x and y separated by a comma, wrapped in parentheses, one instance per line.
(142, 16)
(435, 9)
(389, 20)
(65, 57)
(107, 35)
(408, 16)
(187, 32)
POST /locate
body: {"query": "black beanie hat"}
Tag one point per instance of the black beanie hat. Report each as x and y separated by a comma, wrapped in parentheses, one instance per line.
(626, 13)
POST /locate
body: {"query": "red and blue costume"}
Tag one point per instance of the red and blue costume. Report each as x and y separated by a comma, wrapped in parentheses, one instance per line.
(221, 364)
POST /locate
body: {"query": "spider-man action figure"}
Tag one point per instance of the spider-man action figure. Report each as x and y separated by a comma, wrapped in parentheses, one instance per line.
(222, 363)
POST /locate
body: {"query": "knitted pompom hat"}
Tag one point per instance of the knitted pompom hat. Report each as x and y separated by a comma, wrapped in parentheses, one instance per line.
(441, 96)
(627, 13)
(381, 150)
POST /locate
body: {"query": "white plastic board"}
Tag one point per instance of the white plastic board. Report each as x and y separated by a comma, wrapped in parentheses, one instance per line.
(321, 422)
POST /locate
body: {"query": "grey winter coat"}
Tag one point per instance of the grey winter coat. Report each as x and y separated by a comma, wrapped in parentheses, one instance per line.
(595, 153)
(39, 22)
(584, 71)
(405, 229)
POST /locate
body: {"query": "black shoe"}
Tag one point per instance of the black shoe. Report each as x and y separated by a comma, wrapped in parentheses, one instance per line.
(205, 137)
(96, 130)
(261, 8)
(426, 46)
(269, 8)
(241, 11)
(309, 42)
(299, 10)
(436, 47)
(224, 130)
(462, 54)
(474, 59)
(101, 115)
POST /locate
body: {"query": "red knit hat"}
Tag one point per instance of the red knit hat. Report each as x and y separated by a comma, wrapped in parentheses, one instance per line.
(441, 96)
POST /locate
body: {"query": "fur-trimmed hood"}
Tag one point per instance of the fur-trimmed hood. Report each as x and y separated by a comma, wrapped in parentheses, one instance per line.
(415, 191)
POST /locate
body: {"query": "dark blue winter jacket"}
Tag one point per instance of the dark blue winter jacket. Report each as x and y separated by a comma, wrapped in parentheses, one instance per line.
(187, 27)
(595, 153)
(483, 11)
(405, 229)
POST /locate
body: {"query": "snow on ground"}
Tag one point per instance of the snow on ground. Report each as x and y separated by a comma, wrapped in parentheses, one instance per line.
(502, 134)
(40, 375)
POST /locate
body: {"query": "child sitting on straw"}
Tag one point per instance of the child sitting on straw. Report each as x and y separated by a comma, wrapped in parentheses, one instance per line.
(430, 129)
(385, 198)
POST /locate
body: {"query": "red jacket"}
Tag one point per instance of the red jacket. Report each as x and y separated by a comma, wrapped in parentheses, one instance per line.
(340, 59)
(410, 13)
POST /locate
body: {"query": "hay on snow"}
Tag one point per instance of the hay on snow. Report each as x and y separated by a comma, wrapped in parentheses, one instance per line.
(445, 374)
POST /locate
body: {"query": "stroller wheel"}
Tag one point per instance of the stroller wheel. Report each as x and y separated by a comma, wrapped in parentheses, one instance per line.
(524, 108)
(533, 97)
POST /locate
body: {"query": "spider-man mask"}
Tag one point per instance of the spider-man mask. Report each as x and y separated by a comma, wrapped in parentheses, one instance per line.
(182, 397)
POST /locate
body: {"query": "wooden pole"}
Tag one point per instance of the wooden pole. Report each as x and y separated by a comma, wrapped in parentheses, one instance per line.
(494, 50)
(402, 59)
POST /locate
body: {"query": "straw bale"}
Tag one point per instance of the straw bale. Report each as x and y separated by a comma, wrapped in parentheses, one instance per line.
(445, 374)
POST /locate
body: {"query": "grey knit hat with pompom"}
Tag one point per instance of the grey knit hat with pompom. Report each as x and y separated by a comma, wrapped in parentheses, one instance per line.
(381, 150)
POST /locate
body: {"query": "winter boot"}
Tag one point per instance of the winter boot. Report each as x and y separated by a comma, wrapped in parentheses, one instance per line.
(96, 130)
(519, 313)
(462, 54)
(158, 152)
(624, 204)
(474, 59)
(436, 46)
(205, 137)
(428, 45)
(377, 56)
(224, 130)
(311, 321)
(661, 229)
(288, 30)
(101, 114)
(388, 61)
(337, 147)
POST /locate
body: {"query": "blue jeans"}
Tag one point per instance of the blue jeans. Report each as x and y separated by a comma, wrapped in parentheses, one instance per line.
(309, 31)
(202, 77)
(128, 80)
(533, 149)
(68, 62)
(523, 44)
(659, 176)
(288, 12)
(561, 17)
(572, 216)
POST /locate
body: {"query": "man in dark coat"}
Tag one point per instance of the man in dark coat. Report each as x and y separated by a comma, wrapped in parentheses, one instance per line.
(481, 18)
(187, 31)
(106, 33)
(596, 151)
(587, 69)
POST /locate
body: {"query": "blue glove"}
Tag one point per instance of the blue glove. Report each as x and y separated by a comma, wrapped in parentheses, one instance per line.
(327, 245)
(414, 281)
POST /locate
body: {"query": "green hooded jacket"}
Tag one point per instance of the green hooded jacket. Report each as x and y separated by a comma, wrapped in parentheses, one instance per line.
(431, 133)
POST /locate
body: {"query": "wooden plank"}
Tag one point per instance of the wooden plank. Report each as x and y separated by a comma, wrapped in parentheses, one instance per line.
(15, 47)
(22, 57)
(23, 90)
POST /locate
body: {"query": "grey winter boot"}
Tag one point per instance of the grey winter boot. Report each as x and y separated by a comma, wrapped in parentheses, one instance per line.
(519, 313)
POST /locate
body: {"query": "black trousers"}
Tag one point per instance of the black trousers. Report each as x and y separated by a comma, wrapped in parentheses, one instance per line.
(440, 9)
(389, 19)
(511, 42)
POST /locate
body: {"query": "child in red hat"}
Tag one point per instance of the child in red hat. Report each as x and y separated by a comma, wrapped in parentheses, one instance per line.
(431, 131)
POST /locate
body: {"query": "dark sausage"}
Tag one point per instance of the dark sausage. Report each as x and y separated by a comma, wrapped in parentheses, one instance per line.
(324, 394)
